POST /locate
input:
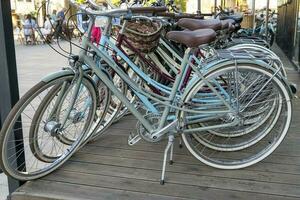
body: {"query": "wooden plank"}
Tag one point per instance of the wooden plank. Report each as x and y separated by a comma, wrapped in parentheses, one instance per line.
(189, 169)
(289, 147)
(47, 190)
(126, 123)
(182, 178)
(181, 155)
(178, 159)
(153, 187)
(260, 172)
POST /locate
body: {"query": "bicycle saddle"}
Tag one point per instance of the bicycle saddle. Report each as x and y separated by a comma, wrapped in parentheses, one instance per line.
(192, 38)
(195, 24)
(238, 18)
(147, 9)
(188, 16)
(178, 16)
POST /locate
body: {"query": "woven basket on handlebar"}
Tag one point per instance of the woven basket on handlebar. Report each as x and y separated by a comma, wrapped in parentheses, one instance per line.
(143, 35)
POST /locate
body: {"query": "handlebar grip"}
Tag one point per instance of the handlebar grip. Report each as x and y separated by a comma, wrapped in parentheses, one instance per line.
(147, 9)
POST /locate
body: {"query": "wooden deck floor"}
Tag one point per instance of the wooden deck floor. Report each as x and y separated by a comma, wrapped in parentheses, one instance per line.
(110, 169)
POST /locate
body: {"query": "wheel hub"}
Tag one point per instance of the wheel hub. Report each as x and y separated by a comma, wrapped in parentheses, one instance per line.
(52, 127)
(75, 116)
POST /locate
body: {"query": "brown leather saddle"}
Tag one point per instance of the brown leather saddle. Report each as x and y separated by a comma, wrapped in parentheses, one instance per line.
(195, 24)
(192, 38)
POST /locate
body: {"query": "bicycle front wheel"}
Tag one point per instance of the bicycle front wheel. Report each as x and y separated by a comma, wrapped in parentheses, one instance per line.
(27, 154)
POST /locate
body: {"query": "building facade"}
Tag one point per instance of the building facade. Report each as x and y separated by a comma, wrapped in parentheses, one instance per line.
(288, 31)
(20, 8)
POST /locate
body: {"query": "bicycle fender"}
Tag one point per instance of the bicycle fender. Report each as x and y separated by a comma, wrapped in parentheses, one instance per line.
(57, 74)
(68, 71)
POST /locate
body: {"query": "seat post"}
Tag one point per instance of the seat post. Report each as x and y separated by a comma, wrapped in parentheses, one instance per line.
(185, 60)
(176, 85)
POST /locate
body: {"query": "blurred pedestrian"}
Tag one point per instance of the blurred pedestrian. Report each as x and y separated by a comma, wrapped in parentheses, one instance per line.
(60, 19)
(47, 29)
(53, 15)
(28, 26)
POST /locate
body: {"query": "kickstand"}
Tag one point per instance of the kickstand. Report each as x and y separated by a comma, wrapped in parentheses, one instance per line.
(180, 143)
(167, 149)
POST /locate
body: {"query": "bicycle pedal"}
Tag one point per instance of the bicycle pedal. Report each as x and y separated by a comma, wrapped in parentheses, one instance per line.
(133, 139)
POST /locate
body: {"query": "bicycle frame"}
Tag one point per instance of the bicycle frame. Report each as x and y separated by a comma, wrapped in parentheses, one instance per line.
(157, 66)
(144, 97)
(123, 39)
(238, 90)
(86, 59)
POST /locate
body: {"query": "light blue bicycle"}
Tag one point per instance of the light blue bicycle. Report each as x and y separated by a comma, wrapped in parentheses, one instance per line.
(234, 111)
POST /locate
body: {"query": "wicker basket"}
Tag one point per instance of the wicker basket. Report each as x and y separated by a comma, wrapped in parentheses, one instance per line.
(143, 35)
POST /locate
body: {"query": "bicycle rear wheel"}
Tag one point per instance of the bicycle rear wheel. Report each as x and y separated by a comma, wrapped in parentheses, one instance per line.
(237, 147)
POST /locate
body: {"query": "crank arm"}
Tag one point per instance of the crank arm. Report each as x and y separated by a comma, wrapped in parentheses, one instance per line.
(133, 139)
(165, 129)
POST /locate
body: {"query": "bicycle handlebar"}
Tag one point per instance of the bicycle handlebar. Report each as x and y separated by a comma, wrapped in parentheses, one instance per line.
(116, 12)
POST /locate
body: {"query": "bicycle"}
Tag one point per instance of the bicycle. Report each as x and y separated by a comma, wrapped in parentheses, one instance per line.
(219, 96)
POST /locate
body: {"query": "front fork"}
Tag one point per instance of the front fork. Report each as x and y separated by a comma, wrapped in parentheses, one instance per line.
(77, 80)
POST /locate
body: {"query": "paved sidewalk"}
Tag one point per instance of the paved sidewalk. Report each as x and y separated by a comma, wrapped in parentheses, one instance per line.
(35, 62)
(3, 187)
